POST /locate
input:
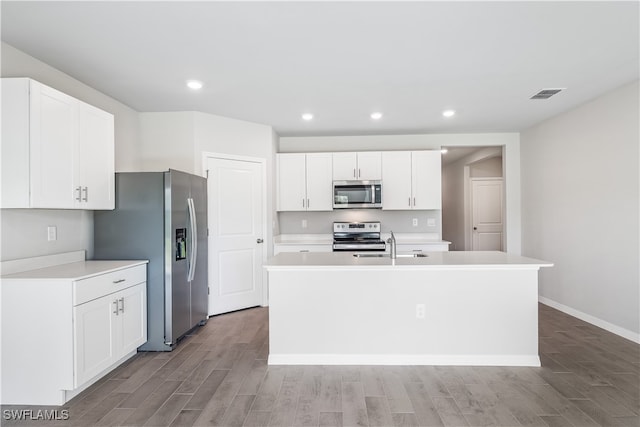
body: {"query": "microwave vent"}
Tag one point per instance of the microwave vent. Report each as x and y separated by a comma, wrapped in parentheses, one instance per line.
(546, 93)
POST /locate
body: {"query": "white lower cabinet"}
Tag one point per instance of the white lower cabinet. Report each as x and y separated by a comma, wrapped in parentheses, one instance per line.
(64, 327)
(106, 329)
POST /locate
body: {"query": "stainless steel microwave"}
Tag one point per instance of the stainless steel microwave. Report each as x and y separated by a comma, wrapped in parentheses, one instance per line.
(357, 194)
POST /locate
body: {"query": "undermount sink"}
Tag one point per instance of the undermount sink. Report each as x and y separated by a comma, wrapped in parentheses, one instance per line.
(379, 255)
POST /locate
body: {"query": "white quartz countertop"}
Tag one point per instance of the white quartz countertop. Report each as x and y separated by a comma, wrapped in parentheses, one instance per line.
(75, 270)
(303, 239)
(433, 260)
(327, 239)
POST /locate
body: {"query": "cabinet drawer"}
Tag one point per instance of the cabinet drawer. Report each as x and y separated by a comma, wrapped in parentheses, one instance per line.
(97, 286)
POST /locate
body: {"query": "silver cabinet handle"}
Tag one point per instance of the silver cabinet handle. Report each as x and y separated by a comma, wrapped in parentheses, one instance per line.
(359, 174)
(115, 311)
(303, 203)
(79, 190)
(308, 205)
(259, 241)
(119, 280)
(121, 304)
(414, 201)
(86, 194)
(354, 172)
(409, 201)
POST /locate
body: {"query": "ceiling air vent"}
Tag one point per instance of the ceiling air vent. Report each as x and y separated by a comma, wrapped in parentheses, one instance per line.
(546, 93)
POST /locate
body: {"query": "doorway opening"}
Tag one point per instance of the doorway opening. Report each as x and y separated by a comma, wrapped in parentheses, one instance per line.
(473, 198)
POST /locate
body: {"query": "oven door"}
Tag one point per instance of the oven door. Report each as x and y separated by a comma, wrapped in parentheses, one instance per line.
(357, 195)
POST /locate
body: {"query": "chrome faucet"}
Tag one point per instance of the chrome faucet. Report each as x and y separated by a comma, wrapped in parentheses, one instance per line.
(392, 240)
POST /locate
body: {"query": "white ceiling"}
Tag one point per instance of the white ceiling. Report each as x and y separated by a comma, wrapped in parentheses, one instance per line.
(270, 62)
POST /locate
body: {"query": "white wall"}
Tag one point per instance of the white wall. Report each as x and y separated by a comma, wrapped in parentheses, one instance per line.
(222, 135)
(580, 187)
(178, 140)
(489, 168)
(24, 232)
(510, 142)
(167, 141)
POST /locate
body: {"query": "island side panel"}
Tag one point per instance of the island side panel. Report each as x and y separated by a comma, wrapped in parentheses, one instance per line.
(472, 317)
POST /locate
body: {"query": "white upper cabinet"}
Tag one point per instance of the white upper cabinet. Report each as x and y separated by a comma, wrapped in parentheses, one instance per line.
(57, 151)
(396, 180)
(96, 158)
(426, 179)
(292, 187)
(411, 180)
(366, 165)
(319, 182)
(304, 182)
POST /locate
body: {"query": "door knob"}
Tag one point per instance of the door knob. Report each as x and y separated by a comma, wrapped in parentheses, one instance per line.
(475, 228)
(259, 241)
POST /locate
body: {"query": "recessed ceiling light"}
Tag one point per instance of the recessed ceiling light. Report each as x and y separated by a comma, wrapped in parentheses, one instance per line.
(194, 84)
(307, 116)
(376, 116)
(448, 113)
(444, 151)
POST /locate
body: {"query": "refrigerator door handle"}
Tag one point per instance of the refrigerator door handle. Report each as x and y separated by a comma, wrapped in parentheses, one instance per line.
(194, 241)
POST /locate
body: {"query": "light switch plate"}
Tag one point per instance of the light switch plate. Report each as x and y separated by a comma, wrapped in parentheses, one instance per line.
(52, 233)
(415, 222)
(431, 222)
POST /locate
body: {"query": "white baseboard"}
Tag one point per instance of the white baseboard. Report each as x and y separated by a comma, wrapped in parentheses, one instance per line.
(614, 329)
(405, 359)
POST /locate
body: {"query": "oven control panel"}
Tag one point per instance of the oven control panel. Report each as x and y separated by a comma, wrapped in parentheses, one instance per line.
(356, 227)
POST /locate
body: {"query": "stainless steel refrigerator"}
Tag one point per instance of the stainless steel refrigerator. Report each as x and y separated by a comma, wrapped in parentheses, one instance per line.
(162, 217)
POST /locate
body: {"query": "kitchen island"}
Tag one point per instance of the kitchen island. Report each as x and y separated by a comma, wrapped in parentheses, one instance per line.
(445, 308)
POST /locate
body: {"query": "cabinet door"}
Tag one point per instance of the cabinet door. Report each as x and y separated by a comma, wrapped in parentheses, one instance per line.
(319, 182)
(95, 158)
(291, 182)
(426, 179)
(344, 167)
(396, 180)
(370, 165)
(132, 312)
(53, 132)
(94, 337)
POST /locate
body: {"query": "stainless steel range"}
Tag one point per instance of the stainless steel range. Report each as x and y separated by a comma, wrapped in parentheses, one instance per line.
(357, 236)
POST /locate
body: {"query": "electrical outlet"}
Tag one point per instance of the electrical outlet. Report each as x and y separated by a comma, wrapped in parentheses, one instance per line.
(421, 311)
(52, 233)
(304, 223)
(415, 222)
(431, 222)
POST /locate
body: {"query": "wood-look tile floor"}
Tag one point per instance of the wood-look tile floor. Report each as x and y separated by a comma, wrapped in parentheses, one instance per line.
(219, 377)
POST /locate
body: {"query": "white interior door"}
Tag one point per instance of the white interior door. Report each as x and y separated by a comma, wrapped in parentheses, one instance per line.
(235, 197)
(487, 214)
